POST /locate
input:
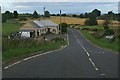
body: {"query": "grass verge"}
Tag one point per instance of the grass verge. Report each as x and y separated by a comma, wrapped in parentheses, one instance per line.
(16, 49)
(102, 42)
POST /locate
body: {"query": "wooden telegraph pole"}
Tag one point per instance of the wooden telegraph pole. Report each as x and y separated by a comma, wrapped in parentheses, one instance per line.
(60, 23)
(44, 13)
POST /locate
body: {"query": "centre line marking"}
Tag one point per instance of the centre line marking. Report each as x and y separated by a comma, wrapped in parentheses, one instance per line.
(86, 52)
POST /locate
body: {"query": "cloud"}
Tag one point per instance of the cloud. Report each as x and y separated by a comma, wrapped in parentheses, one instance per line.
(66, 7)
(61, 0)
(23, 7)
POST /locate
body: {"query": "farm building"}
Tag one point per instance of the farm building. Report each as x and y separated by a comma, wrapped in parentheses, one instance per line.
(39, 27)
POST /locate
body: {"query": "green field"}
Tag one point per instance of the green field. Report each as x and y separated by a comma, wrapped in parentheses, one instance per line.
(8, 28)
(102, 42)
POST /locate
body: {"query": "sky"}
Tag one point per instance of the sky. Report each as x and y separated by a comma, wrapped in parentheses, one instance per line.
(54, 7)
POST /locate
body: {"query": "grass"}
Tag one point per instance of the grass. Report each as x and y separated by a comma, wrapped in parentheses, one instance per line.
(18, 48)
(102, 42)
(15, 49)
(92, 27)
(8, 28)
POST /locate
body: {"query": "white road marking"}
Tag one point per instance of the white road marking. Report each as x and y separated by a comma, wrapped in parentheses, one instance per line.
(27, 58)
(68, 40)
(102, 74)
(86, 52)
(37, 55)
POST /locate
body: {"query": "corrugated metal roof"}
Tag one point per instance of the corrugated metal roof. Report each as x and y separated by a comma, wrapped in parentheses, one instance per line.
(45, 23)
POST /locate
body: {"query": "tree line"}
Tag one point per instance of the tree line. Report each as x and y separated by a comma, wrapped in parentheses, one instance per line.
(95, 14)
(13, 15)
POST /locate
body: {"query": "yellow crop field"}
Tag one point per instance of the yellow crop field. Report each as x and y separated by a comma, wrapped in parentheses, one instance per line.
(71, 20)
(68, 20)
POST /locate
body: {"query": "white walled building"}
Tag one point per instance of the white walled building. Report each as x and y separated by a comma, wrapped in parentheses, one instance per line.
(38, 27)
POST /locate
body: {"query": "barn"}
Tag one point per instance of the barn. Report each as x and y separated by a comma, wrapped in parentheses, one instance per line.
(39, 27)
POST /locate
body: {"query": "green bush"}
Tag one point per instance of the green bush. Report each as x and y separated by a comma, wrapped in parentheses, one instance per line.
(64, 27)
(58, 40)
(91, 21)
(109, 32)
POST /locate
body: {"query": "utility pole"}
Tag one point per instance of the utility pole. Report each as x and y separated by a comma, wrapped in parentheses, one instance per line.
(64, 19)
(44, 13)
(112, 19)
(60, 23)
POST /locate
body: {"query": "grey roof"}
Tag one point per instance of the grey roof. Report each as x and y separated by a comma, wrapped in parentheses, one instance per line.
(45, 23)
(27, 30)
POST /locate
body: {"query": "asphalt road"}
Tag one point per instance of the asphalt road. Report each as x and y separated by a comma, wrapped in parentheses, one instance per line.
(80, 59)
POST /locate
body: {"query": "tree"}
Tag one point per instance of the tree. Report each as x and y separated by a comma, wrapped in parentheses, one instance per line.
(15, 14)
(35, 15)
(8, 15)
(58, 14)
(92, 20)
(106, 24)
(86, 15)
(63, 15)
(53, 14)
(74, 15)
(110, 13)
(47, 14)
(106, 28)
(96, 12)
(4, 18)
(64, 27)
(81, 16)
(118, 16)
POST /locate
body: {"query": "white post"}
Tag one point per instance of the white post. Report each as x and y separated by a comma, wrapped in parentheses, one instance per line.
(35, 32)
(39, 32)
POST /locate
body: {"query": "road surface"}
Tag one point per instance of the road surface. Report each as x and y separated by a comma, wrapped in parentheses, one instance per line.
(80, 59)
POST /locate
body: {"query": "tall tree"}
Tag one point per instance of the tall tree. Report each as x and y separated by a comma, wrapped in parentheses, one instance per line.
(35, 15)
(86, 15)
(15, 13)
(4, 18)
(81, 16)
(47, 14)
(63, 15)
(92, 20)
(8, 15)
(110, 13)
(96, 12)
(64, 27)
(74, 15)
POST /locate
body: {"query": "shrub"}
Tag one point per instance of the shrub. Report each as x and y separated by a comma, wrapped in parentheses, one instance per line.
(108, 32)
(64, 27)
(91, 21)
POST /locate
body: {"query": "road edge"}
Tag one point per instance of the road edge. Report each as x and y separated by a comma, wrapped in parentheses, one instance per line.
(37, 55)
(97, 45)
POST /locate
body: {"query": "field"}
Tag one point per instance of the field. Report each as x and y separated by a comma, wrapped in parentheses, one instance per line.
(71, 20)
(8, 28)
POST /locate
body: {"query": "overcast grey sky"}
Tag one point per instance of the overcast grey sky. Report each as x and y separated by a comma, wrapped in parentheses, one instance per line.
(54, 7)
